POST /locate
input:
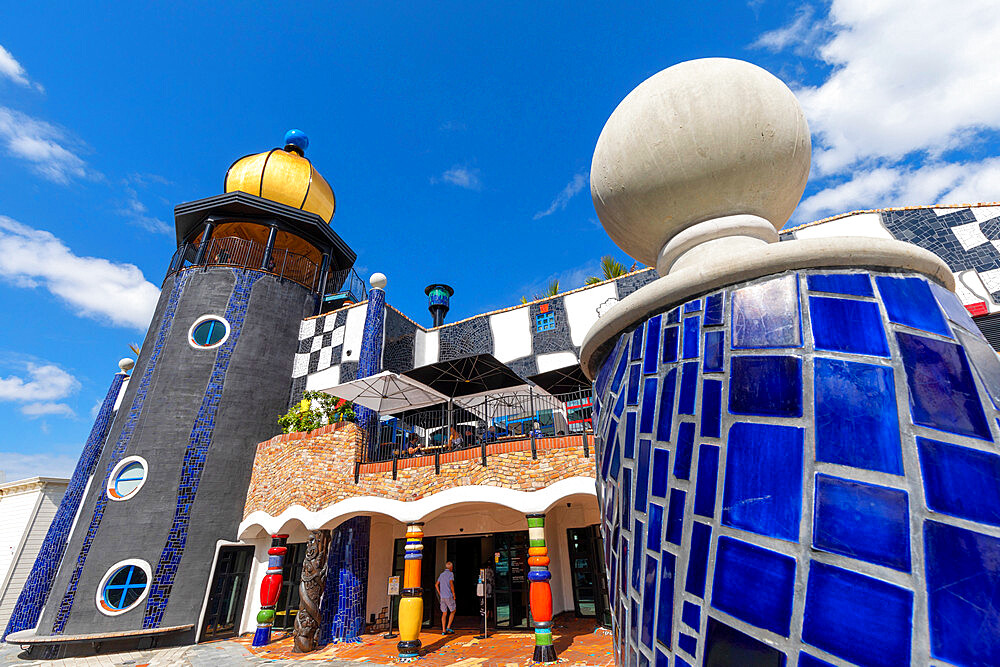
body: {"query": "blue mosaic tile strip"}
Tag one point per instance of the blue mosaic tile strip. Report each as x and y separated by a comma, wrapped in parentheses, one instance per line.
(196, 453)
(36, 588)
(345, 597)
(811, 438)
(124, 438)
(370, 363)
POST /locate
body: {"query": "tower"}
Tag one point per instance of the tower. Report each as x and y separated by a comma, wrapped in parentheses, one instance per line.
(211, 379)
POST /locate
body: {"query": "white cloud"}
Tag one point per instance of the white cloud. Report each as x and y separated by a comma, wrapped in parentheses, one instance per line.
(13, 70)
(93, 287)
(41, 144)
(802, 34)
(575, 185)
(21, 466)
(35, 410)
(463, 177)
(137, 213)
(45, 382)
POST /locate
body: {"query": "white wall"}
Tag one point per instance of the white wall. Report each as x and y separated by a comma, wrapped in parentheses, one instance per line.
(511, 334)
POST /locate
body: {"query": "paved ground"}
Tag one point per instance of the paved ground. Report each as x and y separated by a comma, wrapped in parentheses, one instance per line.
(576, 640)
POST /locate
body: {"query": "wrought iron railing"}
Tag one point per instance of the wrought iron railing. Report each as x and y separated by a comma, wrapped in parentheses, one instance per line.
(476, 424)
(243, 253)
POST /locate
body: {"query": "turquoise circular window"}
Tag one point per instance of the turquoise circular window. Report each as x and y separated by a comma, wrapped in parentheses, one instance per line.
(208, 331)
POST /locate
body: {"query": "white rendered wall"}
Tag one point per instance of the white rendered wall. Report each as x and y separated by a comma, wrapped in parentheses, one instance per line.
(511, 334)
(863, 224)
(426, 346)
(581, 309)
(354, 329)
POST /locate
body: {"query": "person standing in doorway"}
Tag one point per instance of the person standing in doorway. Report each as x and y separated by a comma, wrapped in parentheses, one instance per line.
(445, 587)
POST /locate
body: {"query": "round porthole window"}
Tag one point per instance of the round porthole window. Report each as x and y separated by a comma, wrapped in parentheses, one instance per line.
(127, 478)
(123, 587)
(208, 331)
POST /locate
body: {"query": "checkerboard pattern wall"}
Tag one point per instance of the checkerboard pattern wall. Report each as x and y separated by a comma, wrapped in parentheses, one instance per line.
(803, 468)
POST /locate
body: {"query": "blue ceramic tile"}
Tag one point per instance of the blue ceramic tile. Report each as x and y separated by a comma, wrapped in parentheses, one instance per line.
(953, 309)
(806, 660)
(701, 539)
(763, 483)
(844, 325)
(674, 316)
(692, 306)
(648, 410)
(661, 472)
(626, 497)
(670, 339)
(675, 516)
(664, 617)
(862, 521)
(687, 643)
(606, 461)
(856, 284)
(633, 619)
(728, 647)
(860, 619)
(616, 382)
(960, 481)
(766, 315)
(634, 380)
(636, 347)
(909, 301)
(650, 362)
(629, 442)
(689, 387)
(754, 584)
(691, 615)
(765, 385)
(985, 362)
(665, 422)
(619, 405)
(713, 309)
(711, 409)
(714, 345)
(655, 528)
(855, 412)
(942, 391)
(963, 583)
(616, 462)
(708, 472)
(609, 364)
(692, 332)
(680, 662)
(642, 476)
(637, 552)
(685, 450)
(648, 601)
(662, 659)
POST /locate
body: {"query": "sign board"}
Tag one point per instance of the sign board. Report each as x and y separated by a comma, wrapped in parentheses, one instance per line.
(393, 585)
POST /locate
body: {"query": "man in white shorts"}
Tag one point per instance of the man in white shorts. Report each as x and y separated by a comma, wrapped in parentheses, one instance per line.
(445, 587)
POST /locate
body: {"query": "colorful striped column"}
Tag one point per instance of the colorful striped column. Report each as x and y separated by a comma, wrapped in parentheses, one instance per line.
(411, 603)
(269, 589)
(539, 593)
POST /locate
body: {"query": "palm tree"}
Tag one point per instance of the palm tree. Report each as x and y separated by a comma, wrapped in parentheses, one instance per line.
(551, 290)
(611, 268)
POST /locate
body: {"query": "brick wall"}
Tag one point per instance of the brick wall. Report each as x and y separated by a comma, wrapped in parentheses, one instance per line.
(316, 469)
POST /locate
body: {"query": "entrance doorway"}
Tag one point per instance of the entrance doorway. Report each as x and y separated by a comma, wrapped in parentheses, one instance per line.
(287, 606)
(586, 558)
(227, 593)
(467, 555)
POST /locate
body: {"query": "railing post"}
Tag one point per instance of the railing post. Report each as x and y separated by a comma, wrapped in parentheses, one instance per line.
(357, 471)
(324, 270)
(206, 236)
(394, 466)
(482, 443)
(534, 449)
(586, 443)
(437, 463)
(269, 248)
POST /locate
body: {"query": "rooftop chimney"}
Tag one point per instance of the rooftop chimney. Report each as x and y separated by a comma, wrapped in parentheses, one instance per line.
(438, 301)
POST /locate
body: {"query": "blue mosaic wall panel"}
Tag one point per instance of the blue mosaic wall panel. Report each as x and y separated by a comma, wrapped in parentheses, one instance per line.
(823, 467)
(346, 594)
(370, 360)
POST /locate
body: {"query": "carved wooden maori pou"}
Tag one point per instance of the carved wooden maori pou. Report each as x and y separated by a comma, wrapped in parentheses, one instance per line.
(308, 620)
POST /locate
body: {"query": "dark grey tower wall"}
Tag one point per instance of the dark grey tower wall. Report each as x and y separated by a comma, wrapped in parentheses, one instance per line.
(183, 405)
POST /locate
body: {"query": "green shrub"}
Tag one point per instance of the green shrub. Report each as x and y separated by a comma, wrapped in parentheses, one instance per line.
(314, 410)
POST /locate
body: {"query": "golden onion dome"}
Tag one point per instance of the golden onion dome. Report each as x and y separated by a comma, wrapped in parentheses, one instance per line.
(284, 175)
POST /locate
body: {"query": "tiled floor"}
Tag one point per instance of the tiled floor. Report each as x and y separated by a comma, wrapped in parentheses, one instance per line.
(576, 641)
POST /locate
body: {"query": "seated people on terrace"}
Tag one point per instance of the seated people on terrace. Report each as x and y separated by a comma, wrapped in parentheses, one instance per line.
(413, 446)
(455, 440)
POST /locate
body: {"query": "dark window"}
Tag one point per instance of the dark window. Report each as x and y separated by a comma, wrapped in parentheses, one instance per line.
(124, 587)
(208, 332)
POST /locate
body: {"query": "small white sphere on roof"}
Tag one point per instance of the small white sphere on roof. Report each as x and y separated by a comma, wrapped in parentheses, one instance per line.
(378, 280)
(126, 364)
(699, 141)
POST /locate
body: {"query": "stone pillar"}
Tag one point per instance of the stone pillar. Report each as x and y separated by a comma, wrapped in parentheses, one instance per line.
(539, 592)
(796, 436)
(269, 589)
(309, 618)
(411, 604)
(370, 359)
(346, 596)
(36, 589)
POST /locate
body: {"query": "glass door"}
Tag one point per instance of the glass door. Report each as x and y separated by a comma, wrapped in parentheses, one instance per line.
(227, 593)
(510, 579)
(288, 599)
(586, 557)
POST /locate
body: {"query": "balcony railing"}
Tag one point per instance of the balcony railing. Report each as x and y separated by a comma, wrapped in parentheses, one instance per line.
(243, 253)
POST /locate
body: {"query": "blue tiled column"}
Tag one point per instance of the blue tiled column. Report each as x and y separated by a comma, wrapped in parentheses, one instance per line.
(36, 589)
(344, 600)
(370, 361)
(803, 467)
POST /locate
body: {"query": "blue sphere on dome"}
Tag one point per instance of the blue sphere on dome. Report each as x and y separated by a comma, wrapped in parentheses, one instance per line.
(298, 139)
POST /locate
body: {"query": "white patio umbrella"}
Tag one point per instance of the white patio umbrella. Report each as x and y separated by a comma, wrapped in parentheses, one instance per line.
(387, 393)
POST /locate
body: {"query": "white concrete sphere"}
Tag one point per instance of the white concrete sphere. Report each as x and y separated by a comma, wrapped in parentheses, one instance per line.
(126, 364)
(700, 140)
(378, 280)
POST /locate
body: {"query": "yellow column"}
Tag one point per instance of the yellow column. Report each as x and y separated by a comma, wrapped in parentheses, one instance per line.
(411, 604)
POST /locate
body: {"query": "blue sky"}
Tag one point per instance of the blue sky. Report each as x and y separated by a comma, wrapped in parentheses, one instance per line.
(457, 136)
